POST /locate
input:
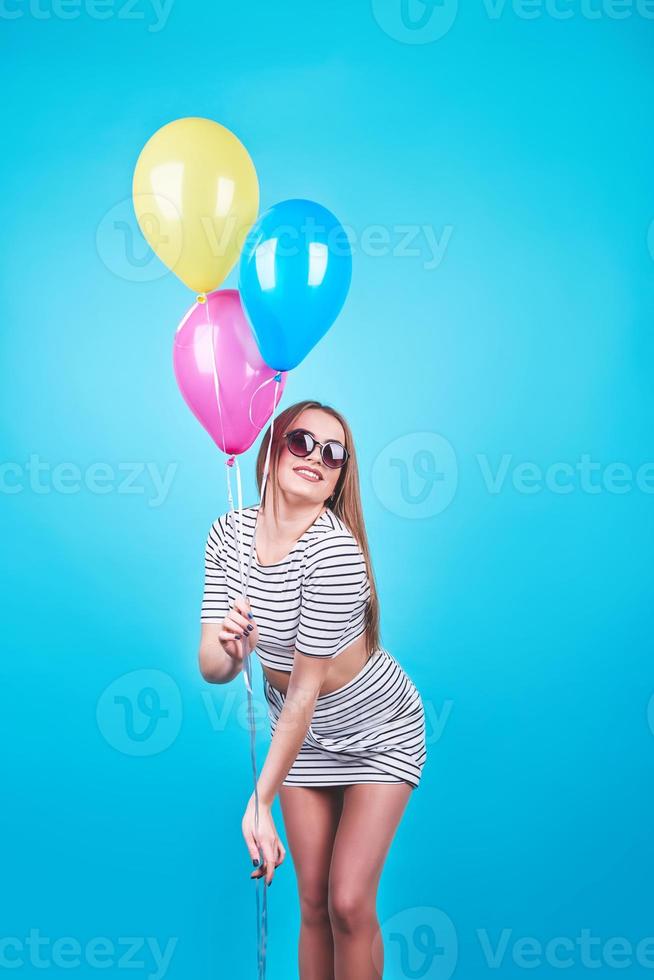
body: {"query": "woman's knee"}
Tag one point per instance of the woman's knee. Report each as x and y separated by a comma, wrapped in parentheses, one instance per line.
(314, 906)
(350, 909)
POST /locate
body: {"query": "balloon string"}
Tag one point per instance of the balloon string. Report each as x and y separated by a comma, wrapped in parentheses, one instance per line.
(203, 298)
(263, 384)
(261, 901)
(261, 904)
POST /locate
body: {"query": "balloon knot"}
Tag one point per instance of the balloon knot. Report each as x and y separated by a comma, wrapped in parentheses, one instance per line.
(278, 376)
(202, 298)
(230, 461)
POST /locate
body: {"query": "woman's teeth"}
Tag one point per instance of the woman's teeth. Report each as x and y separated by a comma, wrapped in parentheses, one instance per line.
(308, 475)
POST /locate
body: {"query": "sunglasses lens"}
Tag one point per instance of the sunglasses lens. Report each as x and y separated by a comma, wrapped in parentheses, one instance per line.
(334, 455)
(300, 443)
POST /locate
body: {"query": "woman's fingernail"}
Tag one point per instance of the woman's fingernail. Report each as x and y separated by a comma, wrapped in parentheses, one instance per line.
(254, 862)
(250, 628)
(238, 636)
(249, 615)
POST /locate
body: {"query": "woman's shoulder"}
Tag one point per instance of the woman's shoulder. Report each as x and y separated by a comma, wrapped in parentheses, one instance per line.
(329, 525)
(331, 537)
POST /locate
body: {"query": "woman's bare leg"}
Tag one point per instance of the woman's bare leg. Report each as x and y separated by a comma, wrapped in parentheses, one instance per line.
(311, 818)
(371, 814)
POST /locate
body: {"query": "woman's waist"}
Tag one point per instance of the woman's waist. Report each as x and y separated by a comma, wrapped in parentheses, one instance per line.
(380, 694)
(276, 663)
(276, 681)
(344, 668)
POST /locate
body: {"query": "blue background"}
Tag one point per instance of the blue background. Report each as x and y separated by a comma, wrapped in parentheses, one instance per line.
(523, 617)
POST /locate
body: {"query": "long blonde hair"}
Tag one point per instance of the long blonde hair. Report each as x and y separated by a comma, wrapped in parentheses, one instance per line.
(345, 503)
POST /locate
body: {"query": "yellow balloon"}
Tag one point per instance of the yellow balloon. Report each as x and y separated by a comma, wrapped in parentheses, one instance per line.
(196, 195)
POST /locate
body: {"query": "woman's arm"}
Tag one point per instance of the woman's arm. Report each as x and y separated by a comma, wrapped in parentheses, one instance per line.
(292, 726)
(293, 723)
(221, 648)
(216, 666)
(222, 624)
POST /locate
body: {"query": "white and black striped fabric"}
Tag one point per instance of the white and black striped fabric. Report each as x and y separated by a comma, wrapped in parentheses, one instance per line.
(371, 730)
(313, 601)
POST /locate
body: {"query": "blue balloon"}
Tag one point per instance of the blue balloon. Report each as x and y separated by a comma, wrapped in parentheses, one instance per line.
(294, 274)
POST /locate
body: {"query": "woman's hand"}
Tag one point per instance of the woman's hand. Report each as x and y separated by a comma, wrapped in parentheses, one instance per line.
(238, 622)
(265, 837)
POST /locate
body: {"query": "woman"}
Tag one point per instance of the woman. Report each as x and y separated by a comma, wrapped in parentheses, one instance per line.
(348, 728)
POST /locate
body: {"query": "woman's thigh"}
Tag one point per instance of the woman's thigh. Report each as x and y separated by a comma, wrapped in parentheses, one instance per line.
(370, 817)
(311, 817)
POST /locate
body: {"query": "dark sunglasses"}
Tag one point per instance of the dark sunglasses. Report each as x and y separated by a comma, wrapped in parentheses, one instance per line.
(301, 443)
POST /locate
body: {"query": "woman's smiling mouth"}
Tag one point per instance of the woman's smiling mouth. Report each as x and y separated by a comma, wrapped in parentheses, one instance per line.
(307, 473)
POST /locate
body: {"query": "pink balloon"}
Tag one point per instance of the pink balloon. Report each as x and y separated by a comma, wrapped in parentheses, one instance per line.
(245, 382)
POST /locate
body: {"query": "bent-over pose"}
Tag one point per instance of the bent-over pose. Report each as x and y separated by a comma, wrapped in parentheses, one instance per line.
(347, 722)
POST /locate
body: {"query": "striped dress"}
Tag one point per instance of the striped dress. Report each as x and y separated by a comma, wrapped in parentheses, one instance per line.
(313, 602)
